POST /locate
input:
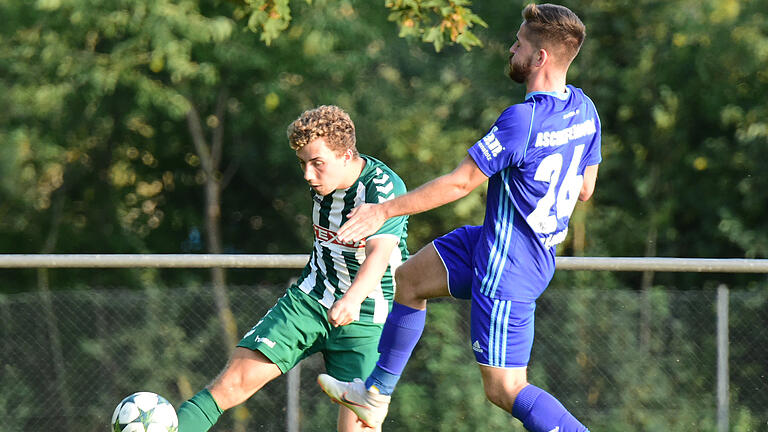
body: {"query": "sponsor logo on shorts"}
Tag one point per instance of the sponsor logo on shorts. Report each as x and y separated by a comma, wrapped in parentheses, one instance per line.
(476, 347)
(265, 341)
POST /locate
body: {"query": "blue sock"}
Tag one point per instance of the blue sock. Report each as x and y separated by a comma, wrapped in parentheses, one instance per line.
(401, 332)
(541, 412)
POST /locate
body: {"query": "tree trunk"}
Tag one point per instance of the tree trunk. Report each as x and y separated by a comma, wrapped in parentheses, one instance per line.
(645, 287)
(215, 182)
(210, 159)
(43, 285)
(579, 228)
(651, 238)
(218, 275)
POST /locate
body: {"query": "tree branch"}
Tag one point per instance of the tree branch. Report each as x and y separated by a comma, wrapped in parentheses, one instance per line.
(196, 131)
(218, 131)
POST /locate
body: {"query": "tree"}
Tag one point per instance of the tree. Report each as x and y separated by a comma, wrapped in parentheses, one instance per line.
(438, 22)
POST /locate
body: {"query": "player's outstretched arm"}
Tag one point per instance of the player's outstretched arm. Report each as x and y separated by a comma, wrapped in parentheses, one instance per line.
(378, 251)
(368, 218)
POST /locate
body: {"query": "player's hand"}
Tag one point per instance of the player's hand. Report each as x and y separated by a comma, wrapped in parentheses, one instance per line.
(343, 312)
(362, 222)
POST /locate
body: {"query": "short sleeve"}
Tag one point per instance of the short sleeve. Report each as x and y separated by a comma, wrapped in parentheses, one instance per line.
(384, 186)
(594, 156)
(505, 144)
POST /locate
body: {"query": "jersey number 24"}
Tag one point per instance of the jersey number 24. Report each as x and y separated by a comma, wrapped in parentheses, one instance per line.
(542, 219)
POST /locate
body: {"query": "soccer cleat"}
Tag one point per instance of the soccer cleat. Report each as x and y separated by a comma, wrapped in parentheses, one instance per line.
(369, 406)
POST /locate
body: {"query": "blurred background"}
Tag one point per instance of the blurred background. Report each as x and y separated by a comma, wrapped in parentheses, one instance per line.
(158, 126)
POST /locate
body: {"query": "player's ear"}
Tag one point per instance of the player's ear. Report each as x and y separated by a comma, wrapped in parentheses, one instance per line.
(542, 57)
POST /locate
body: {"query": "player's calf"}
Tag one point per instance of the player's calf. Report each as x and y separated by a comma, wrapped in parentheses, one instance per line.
(541, 412)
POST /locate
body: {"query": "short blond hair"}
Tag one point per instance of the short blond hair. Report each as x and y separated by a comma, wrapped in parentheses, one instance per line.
(326, 121)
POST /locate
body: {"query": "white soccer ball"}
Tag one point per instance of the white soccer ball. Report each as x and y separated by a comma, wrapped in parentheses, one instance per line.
(144, 412)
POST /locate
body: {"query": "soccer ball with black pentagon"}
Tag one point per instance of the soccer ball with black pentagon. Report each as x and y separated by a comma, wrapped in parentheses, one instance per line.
(145, 412)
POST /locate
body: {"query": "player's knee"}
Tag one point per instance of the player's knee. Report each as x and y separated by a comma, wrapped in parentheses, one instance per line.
(503, 393)
(497, 397)
(403, 276)
(407, 283)
(233, 386)
(229, 382)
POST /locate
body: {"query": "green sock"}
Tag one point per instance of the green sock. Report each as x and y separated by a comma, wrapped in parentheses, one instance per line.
(199, 413)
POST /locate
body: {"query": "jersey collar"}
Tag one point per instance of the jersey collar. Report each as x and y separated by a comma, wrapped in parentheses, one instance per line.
(560, 95)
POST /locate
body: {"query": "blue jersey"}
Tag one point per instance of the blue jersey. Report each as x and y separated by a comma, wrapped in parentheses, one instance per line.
(534, 155)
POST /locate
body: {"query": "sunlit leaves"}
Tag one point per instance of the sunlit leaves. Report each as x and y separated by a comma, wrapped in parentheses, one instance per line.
(437, 22)
(268, 17)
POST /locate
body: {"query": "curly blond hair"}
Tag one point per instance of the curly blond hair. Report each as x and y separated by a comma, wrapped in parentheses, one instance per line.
(326, 121)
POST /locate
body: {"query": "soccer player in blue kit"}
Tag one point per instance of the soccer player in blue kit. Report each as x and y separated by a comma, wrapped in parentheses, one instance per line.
(539, 157)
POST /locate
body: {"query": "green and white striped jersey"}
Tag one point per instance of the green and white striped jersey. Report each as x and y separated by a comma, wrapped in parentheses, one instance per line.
(333, 265)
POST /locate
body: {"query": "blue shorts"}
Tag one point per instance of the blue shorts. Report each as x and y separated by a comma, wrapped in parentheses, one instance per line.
(502, 330)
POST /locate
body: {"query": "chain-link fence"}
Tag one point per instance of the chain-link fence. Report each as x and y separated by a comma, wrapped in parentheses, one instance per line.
(619, 360)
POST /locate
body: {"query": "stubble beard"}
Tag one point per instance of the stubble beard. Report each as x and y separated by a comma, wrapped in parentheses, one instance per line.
(519, 72)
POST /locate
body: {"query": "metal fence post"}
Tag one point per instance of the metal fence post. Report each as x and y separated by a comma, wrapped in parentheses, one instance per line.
(293, 407)
(722, 359)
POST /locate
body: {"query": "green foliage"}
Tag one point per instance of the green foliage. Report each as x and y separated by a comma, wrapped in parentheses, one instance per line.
(454, 21)
(270, 17)
(643, 357)
(98, 157)
(438, 22)
(12, 407)
(675, 66)
(97, 140)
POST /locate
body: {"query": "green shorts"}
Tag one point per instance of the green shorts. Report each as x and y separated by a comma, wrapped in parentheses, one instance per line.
(297, 327)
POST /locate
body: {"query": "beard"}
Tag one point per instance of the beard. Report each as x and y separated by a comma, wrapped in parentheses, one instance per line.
(519, 72)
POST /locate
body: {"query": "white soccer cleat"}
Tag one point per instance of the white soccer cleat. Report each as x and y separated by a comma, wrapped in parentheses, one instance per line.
(369, 406)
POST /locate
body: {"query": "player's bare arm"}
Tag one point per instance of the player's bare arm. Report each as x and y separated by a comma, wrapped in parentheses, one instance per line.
(378, 251)
(590, 176)
(368, 218)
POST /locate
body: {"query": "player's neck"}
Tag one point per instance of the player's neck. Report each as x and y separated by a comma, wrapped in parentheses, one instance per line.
(354, 169)
(546, 81)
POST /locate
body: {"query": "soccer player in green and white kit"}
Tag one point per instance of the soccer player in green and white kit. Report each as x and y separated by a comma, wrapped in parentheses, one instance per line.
(341, 300)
